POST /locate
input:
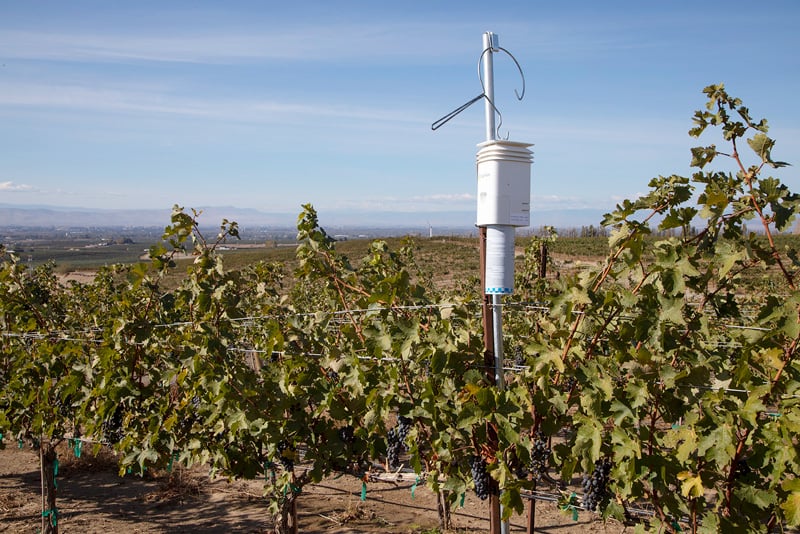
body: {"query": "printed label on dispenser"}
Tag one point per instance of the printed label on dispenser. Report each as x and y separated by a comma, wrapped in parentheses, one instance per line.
(499, 260)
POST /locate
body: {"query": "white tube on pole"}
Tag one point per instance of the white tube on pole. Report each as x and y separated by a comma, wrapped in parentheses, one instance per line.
(490, 43)
(499, 279)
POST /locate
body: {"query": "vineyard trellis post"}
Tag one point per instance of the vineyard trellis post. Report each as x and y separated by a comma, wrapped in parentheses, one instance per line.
(503, 182)
(48, 462)
(531, 519)
(489, 362)
(491, 310)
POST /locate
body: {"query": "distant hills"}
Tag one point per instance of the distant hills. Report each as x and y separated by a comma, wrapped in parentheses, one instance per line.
(56, 216)
(65, 217)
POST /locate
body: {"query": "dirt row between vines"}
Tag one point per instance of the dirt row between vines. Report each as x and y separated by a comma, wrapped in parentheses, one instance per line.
(94, 499)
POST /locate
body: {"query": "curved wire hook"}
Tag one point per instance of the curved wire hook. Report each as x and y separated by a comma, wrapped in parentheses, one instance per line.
(499, 118)
(521, 74)
(519, 95)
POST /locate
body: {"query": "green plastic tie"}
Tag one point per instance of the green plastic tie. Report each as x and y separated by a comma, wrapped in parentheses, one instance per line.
(20, 443)
(53, 515)
(55, 467)
(463, 496)
(267, 467)
(676, 526)
(570, 506)
(414, 487)
(78, 444)
(363, 491)
(295, 489)
(129, 470)
(171, 461)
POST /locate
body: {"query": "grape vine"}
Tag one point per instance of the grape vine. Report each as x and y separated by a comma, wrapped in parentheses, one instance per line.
(667, 358)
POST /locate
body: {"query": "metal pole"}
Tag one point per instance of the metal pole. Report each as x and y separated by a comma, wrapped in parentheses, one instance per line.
(490, 44)
(486, 309)
(497, 321)
(491, 375)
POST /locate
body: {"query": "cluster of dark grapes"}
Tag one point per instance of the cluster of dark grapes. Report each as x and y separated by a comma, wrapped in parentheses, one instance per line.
(332, 376)
(540, 459)
(540, 456)
(480, 477)
(519, 357)
(396, 441)
(570, 384)
(192, 417)
(195, 417)
(112, 427)
(63, 407)
(347, 434)
(287, 454)
(742, 468)
(595, 487)
(34, 442)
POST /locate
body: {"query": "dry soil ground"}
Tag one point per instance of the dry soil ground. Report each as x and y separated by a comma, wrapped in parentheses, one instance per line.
(93, 499)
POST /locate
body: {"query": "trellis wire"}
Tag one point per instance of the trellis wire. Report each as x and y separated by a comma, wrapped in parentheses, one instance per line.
(90, 333)
(65, 335)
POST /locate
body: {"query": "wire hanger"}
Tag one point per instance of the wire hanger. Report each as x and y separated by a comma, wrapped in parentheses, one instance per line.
(444, 120)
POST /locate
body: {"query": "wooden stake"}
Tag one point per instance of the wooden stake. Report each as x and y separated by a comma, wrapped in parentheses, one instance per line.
(532, 513)
(47, 459)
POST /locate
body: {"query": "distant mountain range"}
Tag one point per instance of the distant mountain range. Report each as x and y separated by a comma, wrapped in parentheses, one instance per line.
(65, 217)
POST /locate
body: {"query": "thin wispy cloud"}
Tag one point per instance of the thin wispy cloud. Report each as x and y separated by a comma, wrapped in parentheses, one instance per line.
(423, 203)
(320, 42)
(136, 100)
(77, 97)
(11, 187)
(568, 202)
(77, 47)
(633, 196)
(409, 40)
(449, 197)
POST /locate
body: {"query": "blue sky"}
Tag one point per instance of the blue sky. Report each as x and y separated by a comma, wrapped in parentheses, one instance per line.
(269, 105)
